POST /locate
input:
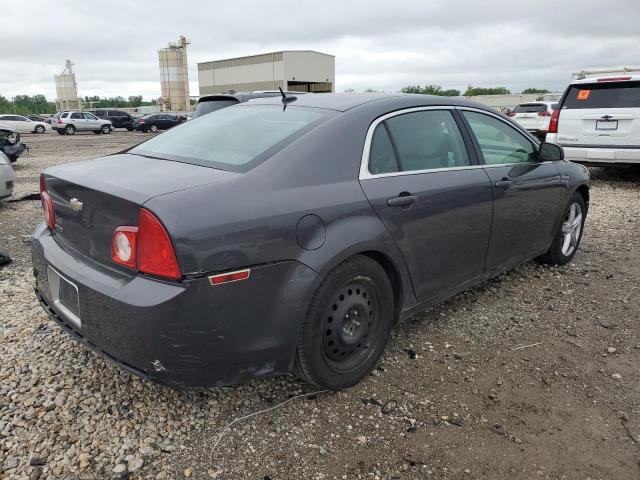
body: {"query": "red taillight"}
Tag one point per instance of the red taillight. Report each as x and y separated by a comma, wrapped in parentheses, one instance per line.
(229, 277)
(613, 79)
(553, 123)
(544, 114)
(511, 114)
(123, 246)
(140, 122)
(146, 248)
(47, 204)
(155, 252)
(59, 122)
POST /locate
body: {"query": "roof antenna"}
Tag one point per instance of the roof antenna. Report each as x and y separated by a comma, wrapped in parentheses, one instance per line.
(286, 100)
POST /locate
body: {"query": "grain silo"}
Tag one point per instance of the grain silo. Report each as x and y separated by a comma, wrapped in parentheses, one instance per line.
(67, 89)
(174, 77)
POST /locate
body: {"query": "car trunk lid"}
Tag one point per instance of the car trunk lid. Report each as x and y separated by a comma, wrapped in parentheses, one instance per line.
(601, 115)
(91, 199)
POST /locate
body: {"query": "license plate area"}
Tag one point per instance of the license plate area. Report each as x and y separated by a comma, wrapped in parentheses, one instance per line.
(64, 295)
(606, 124)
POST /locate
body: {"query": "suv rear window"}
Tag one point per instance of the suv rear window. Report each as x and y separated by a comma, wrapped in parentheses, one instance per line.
(539, 107)
(603, 95)
(233, 139)
(212, 105)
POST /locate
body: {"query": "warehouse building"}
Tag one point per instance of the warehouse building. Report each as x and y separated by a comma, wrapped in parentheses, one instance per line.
(295, 70)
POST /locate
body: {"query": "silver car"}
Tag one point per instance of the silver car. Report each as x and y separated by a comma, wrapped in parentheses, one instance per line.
(6, 177)
(70, 122)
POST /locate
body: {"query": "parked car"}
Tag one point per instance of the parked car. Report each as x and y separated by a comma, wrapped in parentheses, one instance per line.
(118, 118)
(23, 124)
(259, 239)
(37, 118)
(598, 121)
(152, 122)
(68, 123)
(6, 177)
(534, 116)
(10, 143)
(211, 103)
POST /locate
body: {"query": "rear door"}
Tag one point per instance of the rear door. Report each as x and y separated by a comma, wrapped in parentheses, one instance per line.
(526, 193)
(423, 182)
(601, 115)
(78, 121)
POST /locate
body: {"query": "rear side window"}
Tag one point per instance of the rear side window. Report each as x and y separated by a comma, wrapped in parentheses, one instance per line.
(211, 106)
(426, 140)
(382, 158)
(235, 138)
(540, 107)
(64, 115)
(499, 142)
(603, 95)
(77, 115)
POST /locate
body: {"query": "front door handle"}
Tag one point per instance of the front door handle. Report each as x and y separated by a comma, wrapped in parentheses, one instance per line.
(504, 183)
(405, 200)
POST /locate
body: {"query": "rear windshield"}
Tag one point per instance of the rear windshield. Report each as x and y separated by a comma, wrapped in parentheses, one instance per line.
(603, 95)
(212, 105)
(539, 107)
(235, 138)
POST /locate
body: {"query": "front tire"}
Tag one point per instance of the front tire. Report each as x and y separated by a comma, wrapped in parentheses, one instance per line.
(105, 129)
(39, 129)
(347, 325)
(567, 239)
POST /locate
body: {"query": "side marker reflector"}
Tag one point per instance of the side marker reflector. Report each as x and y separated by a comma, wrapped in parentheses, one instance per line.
(229, 277)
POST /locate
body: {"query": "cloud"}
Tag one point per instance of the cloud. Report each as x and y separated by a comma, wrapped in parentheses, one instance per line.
(380, 45)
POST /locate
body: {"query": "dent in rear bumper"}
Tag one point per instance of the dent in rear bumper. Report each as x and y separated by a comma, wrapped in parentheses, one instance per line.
(184, 335)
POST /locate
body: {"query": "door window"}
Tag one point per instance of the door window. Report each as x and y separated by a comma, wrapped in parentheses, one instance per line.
(423, 140)
(90, 116)
(77, 116)
(499, 142)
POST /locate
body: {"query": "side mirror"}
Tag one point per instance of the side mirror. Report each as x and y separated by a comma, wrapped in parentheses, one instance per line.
(550, 152)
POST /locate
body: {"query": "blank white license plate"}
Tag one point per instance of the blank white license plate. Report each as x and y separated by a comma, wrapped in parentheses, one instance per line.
(64, 294)
(606, 124)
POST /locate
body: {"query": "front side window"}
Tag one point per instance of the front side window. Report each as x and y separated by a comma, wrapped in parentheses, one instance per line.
(499, 142)
(427, 140)
(90, 116)
(234, 138)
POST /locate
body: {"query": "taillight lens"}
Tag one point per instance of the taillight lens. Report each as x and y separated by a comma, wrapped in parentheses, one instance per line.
(553, 123)
(146, 248)
(47, 204)
(123, 246)
(511, 114)
(59, 122)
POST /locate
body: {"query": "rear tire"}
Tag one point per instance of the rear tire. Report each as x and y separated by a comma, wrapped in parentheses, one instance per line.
(60, 132)
(347, 325)
(69, 130)
(97, 132)
(567, 239)
(12, 158)
(129, 129)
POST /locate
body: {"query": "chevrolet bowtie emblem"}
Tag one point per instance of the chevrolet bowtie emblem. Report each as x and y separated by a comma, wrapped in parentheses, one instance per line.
(75, 204)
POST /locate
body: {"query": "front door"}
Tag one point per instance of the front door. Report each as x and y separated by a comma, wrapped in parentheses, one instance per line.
(424, 184)
(526, 192)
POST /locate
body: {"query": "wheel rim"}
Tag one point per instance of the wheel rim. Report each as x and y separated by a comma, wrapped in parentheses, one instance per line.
(69, 130)
(571, 229)
(350, 325)
(106, 129)
(154, 128)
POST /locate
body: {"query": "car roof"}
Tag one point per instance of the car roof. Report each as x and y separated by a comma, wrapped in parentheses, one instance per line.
(620, 78)
(346, 101)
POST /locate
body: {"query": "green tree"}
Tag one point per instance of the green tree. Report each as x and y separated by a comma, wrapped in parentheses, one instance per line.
(473, 91)
(535, 90)
(431, 90)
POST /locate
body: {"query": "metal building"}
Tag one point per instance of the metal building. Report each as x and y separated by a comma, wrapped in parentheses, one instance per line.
(174, 77)
(67, 89)
(296, 70)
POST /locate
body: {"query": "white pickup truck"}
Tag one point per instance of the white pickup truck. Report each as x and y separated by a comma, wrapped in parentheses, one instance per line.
(598, 119)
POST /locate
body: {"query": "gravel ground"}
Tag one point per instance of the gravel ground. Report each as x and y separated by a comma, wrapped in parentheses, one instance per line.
(531, 375)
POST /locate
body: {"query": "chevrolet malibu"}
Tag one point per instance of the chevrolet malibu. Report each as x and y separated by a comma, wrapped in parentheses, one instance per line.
(290, 235)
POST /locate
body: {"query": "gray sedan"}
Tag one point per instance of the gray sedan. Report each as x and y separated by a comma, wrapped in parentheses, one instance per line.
(290, 234)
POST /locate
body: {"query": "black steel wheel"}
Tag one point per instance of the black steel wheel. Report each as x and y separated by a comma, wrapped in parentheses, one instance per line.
(347, 325)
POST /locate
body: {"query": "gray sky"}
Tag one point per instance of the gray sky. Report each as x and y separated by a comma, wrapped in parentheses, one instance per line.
(383, 45)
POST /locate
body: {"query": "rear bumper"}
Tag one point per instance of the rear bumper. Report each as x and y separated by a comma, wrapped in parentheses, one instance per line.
(182, 335)
(602, 156)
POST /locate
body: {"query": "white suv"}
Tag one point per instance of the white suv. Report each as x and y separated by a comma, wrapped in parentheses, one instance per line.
(67, 123)
(534, 116)
(598, 122)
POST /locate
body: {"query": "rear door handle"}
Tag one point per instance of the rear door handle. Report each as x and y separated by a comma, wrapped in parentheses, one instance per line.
(504, 184)
(402, 201)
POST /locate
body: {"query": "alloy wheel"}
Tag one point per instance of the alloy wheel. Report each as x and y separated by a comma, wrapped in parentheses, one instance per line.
(571, 229)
